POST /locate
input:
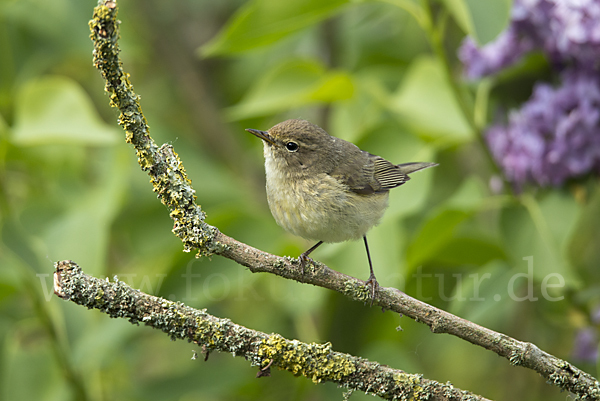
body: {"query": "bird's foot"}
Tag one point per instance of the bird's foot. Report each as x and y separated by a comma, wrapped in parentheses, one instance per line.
(372, 282)
(303, 259)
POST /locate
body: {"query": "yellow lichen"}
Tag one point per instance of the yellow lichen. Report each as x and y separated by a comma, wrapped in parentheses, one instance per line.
(315, 361)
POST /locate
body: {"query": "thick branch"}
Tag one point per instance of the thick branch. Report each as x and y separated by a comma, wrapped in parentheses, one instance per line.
(315, 361)
(170, 181)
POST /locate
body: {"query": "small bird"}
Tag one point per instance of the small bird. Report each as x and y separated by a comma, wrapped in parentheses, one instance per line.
(326, 189)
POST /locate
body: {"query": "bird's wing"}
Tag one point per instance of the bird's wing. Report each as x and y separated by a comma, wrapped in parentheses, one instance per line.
(393, 175)
(372, 174)
(388, 175)
(365, 173)
(354, 168)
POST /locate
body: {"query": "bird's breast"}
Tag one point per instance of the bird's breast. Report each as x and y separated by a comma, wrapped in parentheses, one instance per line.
(319, 207)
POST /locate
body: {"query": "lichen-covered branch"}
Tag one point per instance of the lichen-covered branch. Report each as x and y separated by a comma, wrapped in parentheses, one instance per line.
(173, 187)
(317, 362)
(167, 175)
(555, 370)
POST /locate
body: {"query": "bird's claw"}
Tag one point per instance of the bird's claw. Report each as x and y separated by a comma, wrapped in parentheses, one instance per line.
(303, 259)
(372, 282)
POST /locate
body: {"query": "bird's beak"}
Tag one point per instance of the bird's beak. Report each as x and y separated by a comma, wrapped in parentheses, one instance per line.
(264, 135)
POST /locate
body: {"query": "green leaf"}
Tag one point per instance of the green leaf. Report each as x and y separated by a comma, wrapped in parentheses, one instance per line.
(426, 103)
(411, 7)
(9, 276)
(55, 109)
(292, 84)
(460, 11)
(541, 229)
(366, 110)
(468, 251)
(482, 20)
(4, 130)
(262, 22)
(26, 361)
(82, 233)
(584, 251)
(434, 235)
(479, 296)
(489, 17)
(470, 195)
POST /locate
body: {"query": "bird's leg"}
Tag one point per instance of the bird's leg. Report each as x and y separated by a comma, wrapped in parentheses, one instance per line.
(303, 258)
(372, 281)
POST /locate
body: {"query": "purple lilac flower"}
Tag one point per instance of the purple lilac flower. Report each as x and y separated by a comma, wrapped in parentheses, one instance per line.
(586, 342)
(554, 136)
(586, 345)
(556, 133)
(507, 49)
(595, 315)
(566, 31)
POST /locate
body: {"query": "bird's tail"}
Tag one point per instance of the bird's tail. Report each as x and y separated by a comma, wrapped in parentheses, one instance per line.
(408, 168)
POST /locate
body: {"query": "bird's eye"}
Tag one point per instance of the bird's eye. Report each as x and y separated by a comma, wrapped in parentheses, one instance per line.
(291, 146)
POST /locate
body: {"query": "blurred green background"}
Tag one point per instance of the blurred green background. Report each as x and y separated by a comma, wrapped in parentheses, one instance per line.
(70, 188)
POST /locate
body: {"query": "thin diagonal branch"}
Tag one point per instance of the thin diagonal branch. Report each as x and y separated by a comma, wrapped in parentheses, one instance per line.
(170, 181)
(317, 362)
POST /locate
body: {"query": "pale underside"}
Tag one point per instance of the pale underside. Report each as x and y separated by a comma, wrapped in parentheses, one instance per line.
(321, 208)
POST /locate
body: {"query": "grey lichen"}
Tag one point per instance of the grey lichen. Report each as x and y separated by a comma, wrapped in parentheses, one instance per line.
(515, 358)
(318, 362)
(356, 290)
